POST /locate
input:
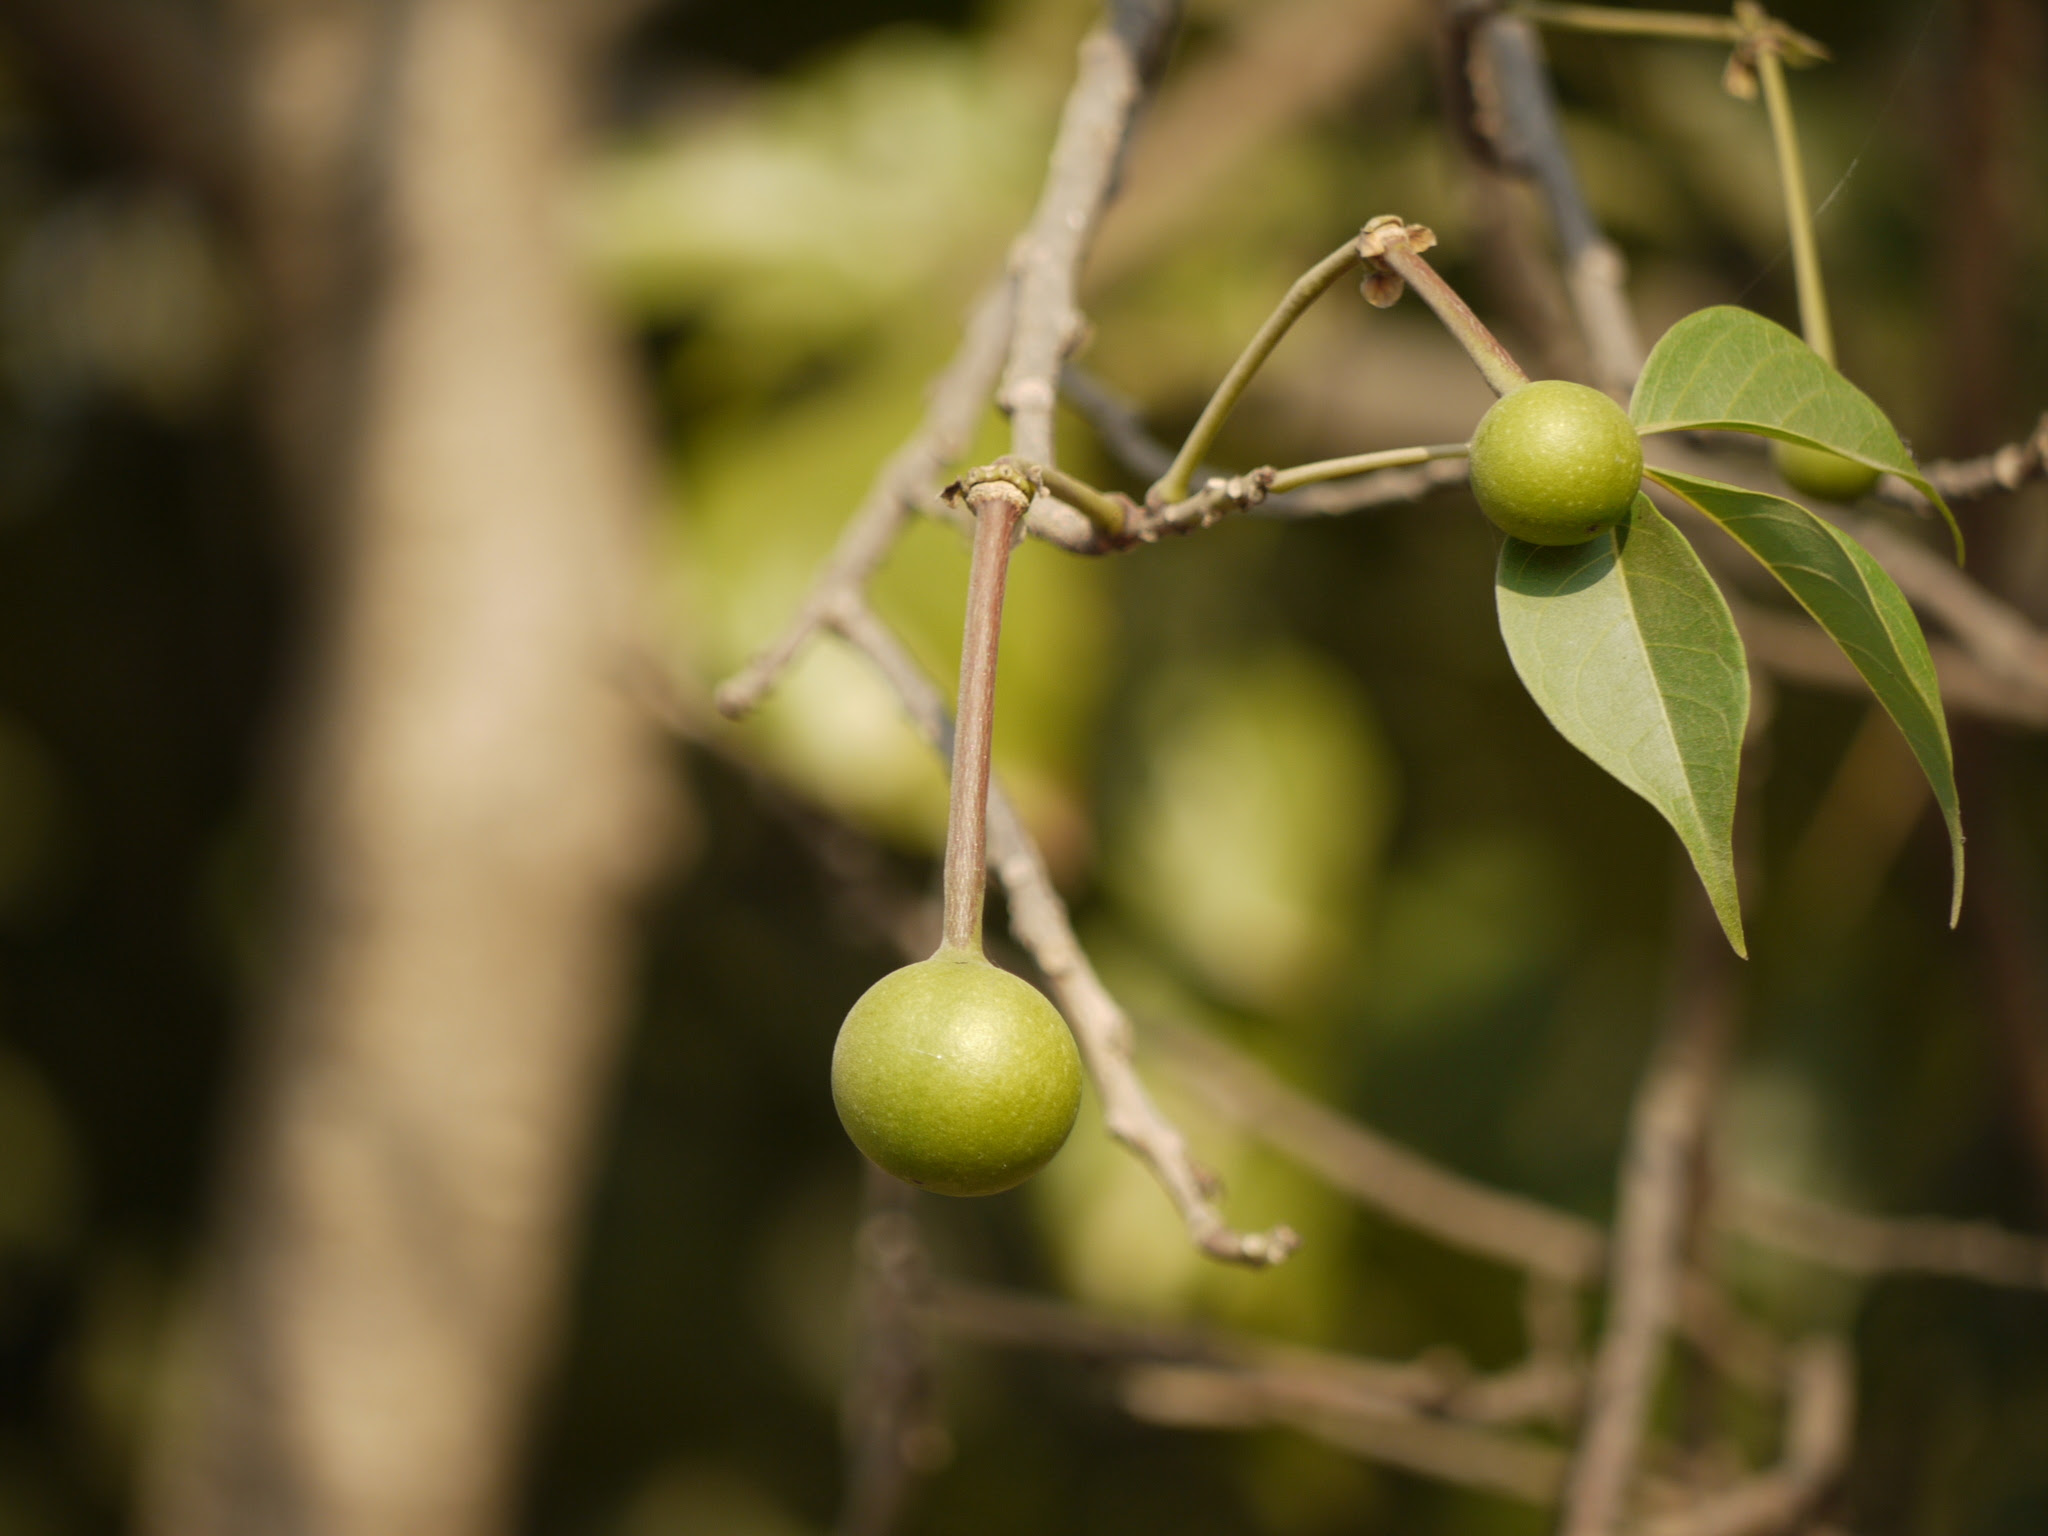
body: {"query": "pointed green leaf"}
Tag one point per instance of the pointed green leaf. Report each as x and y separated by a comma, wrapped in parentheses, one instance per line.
(1731, 368)
(1626, 644)
(1863, 611)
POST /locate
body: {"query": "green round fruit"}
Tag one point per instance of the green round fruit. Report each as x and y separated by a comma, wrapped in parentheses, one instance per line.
(957, 1076)
(1555, 462)
(1820, 474)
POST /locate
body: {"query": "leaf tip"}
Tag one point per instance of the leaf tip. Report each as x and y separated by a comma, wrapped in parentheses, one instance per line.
(1728, 908)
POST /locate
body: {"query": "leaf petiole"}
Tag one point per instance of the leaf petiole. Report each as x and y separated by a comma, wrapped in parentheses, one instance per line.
(1813, 299)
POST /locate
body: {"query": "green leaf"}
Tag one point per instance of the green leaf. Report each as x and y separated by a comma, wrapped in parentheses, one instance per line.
(1863, 611)
(1731, 368)
(1626, 644)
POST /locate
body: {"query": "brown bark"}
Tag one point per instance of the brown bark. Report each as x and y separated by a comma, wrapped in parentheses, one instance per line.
(476, 798)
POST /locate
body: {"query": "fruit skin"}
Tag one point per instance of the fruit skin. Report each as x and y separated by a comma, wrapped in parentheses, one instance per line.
(1823, 475)
(956, 1076)
(1555, 462)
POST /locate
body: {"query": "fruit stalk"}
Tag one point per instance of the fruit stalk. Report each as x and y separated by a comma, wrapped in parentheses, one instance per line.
(1813, 298)
(998, 508)
(1310, 286)
(1499, 368)
(1361, 464)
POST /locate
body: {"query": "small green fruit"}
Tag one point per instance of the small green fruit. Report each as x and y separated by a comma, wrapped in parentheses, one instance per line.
(1820, 474)
(1555, 462)
(957, 1076)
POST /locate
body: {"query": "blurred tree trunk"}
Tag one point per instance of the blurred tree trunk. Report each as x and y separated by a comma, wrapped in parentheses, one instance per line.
(476, 797)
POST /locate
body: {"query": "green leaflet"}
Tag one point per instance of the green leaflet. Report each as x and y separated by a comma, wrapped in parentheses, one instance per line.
(1863, 611)
(1626, 644)
(1731, 368)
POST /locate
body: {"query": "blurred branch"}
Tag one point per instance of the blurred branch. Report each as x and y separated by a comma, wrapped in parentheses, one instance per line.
(1120, 425)
(1819, 1409)
(1439, 1382)
(1462, 1213)
(1429, 1416)
(891, 1422)
(1187, 1397)
(1366, 1165)
(1282, 63)
(1038, 918)
(1998, 635)
(1868, 1245)
(1647, 1263)
(1516, 113)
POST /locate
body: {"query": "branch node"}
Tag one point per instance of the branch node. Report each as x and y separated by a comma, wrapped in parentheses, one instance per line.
(1004, 471)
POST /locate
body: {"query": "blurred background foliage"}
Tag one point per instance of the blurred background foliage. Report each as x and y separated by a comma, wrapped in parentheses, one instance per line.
(1284, 771)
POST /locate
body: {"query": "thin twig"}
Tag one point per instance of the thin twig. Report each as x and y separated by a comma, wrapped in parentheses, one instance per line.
(1647, 1263)
(1173, 485)
(1351, 466)
(1047, 258)
(1121, 427)
(2003, 469)
(1016, 337)
(1383, 488)
(956, 400)
(1038, 918)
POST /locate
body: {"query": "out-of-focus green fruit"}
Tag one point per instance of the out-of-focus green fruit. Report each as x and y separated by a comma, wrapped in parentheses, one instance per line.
(1555, 462)
(956, 1076)
(1820, 474)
